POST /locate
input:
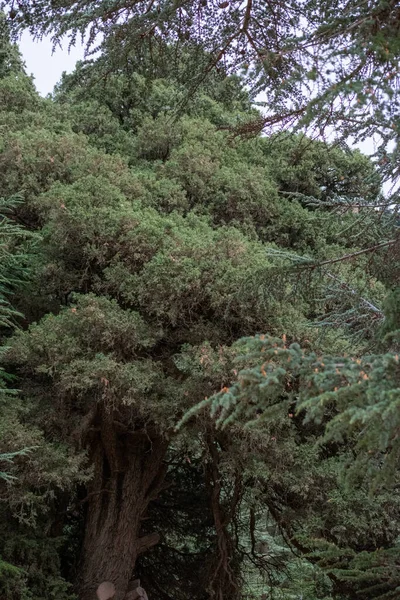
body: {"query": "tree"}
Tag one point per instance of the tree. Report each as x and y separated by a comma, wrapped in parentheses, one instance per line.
(350, 405)
(33, 468)
(159, 245)
(13, 246)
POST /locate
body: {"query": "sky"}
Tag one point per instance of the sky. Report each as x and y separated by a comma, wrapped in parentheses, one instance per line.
(46, 66)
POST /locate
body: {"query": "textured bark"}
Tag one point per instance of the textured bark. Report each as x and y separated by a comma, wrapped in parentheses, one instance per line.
(128, 473)
(224, 581)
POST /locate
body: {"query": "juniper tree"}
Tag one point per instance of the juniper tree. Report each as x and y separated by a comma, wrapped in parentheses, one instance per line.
(157, 251)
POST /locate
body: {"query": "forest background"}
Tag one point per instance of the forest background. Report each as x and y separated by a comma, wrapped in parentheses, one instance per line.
(200, 303)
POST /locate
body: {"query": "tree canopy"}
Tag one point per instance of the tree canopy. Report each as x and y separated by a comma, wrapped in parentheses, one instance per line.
(331, 65)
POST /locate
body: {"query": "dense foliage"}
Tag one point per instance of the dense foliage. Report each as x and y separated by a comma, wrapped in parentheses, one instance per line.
(155, 267)
(329, 64)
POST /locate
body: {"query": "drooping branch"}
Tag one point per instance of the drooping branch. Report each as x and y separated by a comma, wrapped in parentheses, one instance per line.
(353, 292)
(351, 255)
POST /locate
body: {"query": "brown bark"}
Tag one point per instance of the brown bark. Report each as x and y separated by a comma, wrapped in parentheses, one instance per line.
(128, 473)
(224, 581)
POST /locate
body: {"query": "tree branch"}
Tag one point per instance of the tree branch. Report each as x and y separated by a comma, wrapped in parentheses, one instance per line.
(147, 541)
(331, 261)
(247, 15)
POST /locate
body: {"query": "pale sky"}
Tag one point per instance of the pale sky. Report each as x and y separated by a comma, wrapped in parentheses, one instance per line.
(45, 66)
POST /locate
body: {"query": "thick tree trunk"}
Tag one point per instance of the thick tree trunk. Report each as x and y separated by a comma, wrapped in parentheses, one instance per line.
(129, 473)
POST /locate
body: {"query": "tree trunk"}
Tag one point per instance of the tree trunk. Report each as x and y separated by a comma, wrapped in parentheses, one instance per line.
(224, 581)
(128, 473)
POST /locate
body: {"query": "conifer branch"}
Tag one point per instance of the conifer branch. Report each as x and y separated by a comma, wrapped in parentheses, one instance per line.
(332, 261)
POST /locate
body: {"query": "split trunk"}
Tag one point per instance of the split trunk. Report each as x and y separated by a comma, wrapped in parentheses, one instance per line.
(129, 472)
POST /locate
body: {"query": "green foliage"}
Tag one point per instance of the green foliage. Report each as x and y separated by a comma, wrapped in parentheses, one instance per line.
(8, 457)
(347, 409)
(327, 65)
(161, 242)
(13, 260)
(354, 398)
(15, 89)
(36, 480)
(391, 325)
(320, 173)
(12, 584)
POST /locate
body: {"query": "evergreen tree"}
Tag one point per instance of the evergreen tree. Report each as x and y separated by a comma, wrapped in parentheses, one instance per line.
(160, 244)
